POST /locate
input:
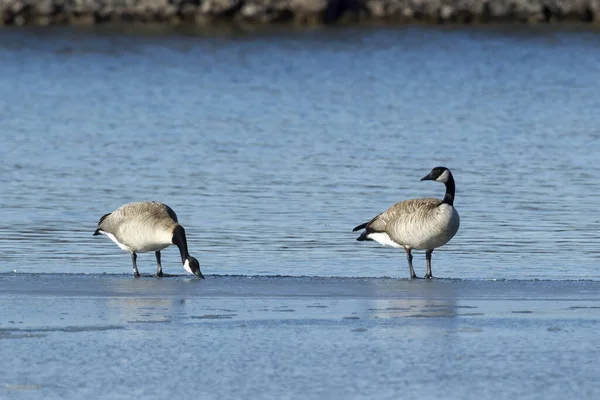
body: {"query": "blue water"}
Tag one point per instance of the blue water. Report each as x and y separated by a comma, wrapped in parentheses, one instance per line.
(271, 148)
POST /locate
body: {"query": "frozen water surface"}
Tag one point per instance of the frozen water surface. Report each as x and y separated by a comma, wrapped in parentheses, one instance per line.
(110, 336)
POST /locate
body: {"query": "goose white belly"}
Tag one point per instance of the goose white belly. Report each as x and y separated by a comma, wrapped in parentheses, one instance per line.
(149, 246)
(141, 243)
(420, 232)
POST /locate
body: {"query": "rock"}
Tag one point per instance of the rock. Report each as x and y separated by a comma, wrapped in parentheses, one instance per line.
(316, 11)
(266, 11)
(309, 6)
(48, 12)
(377, 8)
(44, 7)
(527, 10)
(220, 8)
(399, 10)
(573, 9)
(187, 11)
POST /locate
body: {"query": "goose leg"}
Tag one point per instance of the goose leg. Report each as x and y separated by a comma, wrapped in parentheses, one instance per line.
(410, 266)
(158, 266)
(428, 275)
(136, 273)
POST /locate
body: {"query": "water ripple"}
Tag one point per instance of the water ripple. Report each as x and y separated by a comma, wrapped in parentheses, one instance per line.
(271, 150)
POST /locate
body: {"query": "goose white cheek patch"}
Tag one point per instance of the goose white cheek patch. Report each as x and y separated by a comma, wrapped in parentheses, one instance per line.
(186, 266)
(443, 177)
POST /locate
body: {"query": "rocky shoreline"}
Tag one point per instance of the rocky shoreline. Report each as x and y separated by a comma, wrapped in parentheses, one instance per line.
(297, 12)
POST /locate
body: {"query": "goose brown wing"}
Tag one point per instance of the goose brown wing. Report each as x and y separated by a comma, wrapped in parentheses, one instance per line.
(145, 209)
(136, 212)
(401, 210)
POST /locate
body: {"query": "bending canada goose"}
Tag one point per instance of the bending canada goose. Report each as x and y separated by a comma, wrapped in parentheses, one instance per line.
(420, 224)
(147, 226)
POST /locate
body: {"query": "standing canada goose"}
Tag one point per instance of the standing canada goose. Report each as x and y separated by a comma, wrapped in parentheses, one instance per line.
(420, 224)
(147, 226)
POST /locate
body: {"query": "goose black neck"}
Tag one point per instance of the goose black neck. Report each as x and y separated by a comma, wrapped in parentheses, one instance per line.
(180, 241)
(449, 196)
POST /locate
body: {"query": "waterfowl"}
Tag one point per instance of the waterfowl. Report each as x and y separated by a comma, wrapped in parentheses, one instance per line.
(417, 224)
(147, 226)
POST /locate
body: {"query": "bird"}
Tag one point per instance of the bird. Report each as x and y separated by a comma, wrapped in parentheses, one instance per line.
(144, 226)
(417, 224)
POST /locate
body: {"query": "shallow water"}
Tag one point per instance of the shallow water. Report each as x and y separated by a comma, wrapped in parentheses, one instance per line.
(110, 336)
(271, 148)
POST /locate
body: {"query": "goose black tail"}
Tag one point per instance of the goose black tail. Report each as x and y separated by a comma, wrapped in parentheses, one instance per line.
(99, 223)
(361, 226)
(363, 236)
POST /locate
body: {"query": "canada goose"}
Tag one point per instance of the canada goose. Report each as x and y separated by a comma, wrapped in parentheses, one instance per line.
(147, 226)
(420, 224)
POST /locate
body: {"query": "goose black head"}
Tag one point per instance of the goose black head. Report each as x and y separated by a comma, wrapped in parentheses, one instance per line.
(439, 174)
(192, 266)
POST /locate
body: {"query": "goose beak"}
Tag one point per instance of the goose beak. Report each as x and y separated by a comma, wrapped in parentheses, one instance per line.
(199, 274)
(427, 178)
